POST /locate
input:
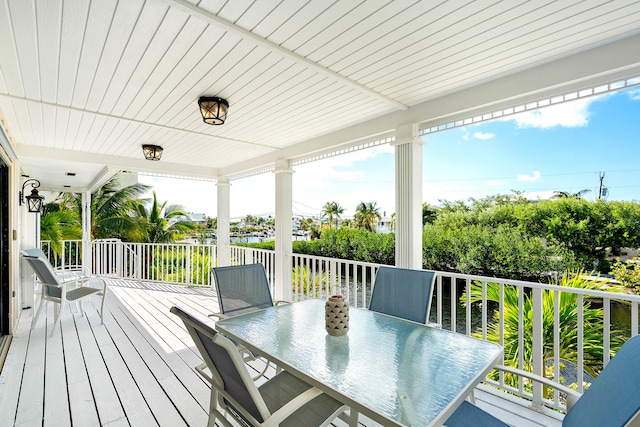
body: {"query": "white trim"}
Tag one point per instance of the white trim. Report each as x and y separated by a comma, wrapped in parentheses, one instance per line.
(341, 151)
(534, 105)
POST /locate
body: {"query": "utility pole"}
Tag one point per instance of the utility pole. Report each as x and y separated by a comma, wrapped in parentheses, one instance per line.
(601, 187)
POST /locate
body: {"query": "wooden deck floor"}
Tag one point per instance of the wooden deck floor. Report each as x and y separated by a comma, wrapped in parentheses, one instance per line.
(135, 370)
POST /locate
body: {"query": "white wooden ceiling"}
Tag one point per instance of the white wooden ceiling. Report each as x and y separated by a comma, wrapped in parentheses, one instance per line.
(83, 84)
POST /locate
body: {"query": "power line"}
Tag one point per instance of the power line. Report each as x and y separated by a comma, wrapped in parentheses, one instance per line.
(546, 175)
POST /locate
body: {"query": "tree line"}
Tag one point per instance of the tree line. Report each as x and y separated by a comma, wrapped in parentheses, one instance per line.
(504, 235)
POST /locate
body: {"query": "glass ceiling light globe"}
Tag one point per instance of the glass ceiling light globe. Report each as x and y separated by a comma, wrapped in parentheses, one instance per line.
(152, 152)
(213, 110)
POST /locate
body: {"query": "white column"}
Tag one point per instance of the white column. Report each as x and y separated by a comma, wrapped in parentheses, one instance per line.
(223, 228)
(87, 257)
(408, 146)
(284, 229)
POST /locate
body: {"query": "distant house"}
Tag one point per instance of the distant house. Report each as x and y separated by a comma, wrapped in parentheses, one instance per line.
(384, 225)
(198, 218)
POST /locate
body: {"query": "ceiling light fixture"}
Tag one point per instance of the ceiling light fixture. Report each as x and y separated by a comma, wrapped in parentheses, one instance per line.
(152, 152)
(213, 109)
(34, 200)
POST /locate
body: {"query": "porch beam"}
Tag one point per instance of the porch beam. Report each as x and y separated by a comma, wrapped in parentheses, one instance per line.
(284, 229)
(408, 183)
(223, 227)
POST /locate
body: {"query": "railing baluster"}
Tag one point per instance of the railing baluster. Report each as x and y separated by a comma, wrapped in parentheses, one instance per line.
(538, 342)
(580, 343)
(556, 343)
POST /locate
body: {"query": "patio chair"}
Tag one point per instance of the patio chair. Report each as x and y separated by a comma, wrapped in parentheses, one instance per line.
(611, 400)
(65, 273)
(284, 400)
(403, 293)
(242, 289)
(60, 291)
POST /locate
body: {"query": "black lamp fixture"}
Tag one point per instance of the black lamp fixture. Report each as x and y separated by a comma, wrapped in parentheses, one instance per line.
(152, 152)
(34, 200)
(213, 109)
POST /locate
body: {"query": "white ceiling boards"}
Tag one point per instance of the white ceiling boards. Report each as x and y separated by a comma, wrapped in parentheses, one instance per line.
(84, 84)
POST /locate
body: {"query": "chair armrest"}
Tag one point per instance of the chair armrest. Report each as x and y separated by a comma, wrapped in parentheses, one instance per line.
(203, 370)
(294, 404)
(83, 281)
(220, 316)
(572, 395)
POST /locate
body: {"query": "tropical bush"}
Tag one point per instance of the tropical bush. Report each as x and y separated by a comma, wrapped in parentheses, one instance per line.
(627, 273)
(568, 310)
(499, 251)
(310, 284)
(353, 244)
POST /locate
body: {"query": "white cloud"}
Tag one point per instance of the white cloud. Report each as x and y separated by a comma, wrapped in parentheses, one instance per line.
(483, 135)
(634, 94)
(523, 177)
(342, 179)
(466, 136)
(493, 183)
(568, 114)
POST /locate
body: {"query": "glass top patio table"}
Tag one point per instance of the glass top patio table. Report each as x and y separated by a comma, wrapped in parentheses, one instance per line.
(394, 371)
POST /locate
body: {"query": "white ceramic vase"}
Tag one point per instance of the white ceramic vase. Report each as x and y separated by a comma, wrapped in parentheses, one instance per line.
(337, 315)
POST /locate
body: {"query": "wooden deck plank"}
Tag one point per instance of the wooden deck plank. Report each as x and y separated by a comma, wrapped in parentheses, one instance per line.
(30, 405)
(168, 327)
(131, 398)
(56, 399)
(12, 371)
(104, 392)
(171, 371)
(81, 399)
(142, 364)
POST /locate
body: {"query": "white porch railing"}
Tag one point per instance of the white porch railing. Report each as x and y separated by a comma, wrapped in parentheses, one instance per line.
(70, 257)
(181, 264)
(319, 277)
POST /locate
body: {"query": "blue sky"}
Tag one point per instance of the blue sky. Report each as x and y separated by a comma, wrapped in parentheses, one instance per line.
(563, 147)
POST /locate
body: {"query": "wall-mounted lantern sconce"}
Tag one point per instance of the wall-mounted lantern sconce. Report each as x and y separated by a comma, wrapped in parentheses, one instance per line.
(213, 109)
(152, 152)
(34, 200)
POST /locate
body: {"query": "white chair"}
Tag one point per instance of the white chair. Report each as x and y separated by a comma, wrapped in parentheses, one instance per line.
(65, 273)
(284, 400)
(60, 291)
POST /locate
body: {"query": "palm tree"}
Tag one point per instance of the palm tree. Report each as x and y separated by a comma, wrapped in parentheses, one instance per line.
(332, 210)
(161, 223)
(367, 215)
(567, 195)
(59, 223)
(113, 212)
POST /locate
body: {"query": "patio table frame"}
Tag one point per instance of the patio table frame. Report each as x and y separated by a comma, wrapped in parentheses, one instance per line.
(394, 371)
